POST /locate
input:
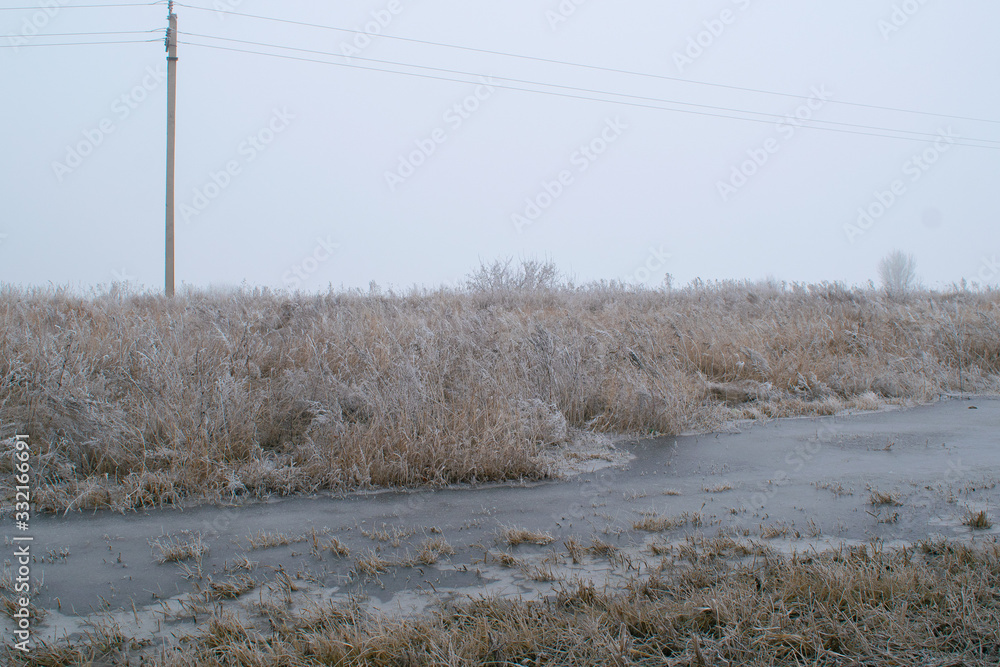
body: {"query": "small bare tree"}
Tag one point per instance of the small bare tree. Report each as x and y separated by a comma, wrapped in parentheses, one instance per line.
(898, 272)
(504, 276)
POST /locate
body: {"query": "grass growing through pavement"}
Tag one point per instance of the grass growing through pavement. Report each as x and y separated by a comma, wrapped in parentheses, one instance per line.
(133, 401)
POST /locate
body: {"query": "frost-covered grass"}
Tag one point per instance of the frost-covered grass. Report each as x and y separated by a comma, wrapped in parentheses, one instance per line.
(134, 400)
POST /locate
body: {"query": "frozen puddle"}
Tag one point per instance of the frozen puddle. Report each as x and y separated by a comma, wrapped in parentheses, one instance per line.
(792, 485)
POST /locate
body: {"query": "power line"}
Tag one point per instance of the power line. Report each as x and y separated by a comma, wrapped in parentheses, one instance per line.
(62, 7)
(917, 136)
(877, 131)
(567, 95)
(595, 67)
(110, 32)
(25, 46)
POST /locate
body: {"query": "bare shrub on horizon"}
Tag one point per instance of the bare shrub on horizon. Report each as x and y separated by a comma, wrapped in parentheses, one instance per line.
(898, 273)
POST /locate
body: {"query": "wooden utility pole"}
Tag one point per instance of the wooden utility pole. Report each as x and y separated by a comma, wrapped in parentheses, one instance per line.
(171, 135)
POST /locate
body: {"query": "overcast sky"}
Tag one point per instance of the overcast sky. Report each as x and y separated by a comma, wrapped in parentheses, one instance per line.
(302, 174)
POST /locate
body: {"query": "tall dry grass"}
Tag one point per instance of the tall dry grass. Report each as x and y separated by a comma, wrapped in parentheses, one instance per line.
(133, 400)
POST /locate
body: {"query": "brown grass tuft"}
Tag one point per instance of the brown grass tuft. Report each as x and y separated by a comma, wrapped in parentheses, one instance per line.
(370, 563)
(178, 548)
(879, 498)
(515, 536)
(503, 558)
(656, 523)
(230, 588)
(432, 549)
(337, 548)
(978, 520)
(718, 488)
(268, 540)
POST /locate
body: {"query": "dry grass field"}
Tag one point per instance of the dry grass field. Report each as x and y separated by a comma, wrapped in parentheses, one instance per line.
(134, 401)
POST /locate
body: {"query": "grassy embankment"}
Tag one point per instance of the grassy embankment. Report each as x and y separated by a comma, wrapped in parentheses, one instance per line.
(132, 400)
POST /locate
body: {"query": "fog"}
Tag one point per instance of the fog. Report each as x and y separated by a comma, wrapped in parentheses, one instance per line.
(725, 139)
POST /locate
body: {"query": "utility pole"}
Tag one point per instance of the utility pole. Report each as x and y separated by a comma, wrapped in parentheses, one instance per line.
(171, 44)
